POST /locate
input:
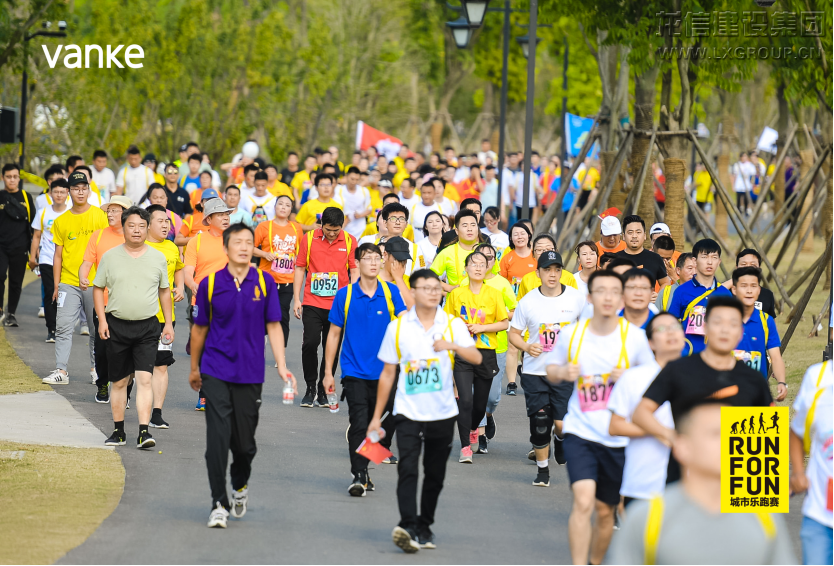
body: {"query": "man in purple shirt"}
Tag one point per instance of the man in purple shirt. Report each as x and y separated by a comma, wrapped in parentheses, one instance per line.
(235, 308)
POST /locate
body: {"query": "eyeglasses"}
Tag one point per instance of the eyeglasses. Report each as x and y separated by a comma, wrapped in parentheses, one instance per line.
(397, 219)
(371, 259)
(664, 328)
(430, 290)
(643, 288)
(79, 188)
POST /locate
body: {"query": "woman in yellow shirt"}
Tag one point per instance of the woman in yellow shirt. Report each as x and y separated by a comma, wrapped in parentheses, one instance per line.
(482, 309)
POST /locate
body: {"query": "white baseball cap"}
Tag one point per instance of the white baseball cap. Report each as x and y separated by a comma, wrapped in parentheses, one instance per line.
(659, 228)
(610, 226)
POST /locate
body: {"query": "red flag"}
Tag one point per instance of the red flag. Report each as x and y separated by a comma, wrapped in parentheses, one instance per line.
(385, 144)
(373, 451)
(613, 211)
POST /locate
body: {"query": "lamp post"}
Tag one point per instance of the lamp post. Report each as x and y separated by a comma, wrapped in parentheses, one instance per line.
(461, 32)
(62, 26)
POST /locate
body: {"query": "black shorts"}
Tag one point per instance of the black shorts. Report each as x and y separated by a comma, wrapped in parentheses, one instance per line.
(583, 199)
(592, 461)
(539, 393)
(164, 355)
(131, 347)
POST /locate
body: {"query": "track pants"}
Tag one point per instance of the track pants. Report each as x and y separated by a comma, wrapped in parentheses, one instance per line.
(316, 326)
(13, 262)
(361, 398)
(75, 301)
(50, 307)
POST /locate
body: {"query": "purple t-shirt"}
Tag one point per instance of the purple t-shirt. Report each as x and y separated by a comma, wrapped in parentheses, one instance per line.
(234, 349)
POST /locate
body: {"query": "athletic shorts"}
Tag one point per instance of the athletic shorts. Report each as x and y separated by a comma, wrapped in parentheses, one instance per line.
(164, 354)
(132, 346)
(592, 461)
(583, 199)
(539, 393)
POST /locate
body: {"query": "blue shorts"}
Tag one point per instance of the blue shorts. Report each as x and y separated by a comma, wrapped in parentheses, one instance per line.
(592, 461)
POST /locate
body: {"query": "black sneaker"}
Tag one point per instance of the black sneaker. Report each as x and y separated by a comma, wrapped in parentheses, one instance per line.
(482, 445)
(157, 421)
(103, 394)
(50, 338)
(357, 486)
(559, 451)
(490, 427)
(426, 538)
(512, 389)
(390, 460)
(127, 405)
(542, 478)
(531, 455)
(118, 438)
(145, 440)
(369, 485)
(10, 320)
(321, 401)
(309, 399)
(405, 539)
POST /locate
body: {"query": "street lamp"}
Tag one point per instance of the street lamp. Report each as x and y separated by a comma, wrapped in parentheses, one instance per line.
(474, 11)
(461, 31)
(524, 41)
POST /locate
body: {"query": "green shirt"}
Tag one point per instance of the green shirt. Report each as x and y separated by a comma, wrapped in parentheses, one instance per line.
(132, 283)
(450, 262)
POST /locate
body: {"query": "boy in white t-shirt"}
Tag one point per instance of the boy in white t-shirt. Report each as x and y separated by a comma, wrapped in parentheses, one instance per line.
(260, 204)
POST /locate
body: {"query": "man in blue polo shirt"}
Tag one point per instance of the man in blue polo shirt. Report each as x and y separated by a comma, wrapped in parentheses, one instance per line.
(761, 337)
(372, 305)
(689, 303)
(235, 307)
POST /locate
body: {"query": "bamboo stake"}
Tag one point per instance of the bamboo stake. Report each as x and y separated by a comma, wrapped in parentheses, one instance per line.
(799, 309)
(817, 209)
(805, 275)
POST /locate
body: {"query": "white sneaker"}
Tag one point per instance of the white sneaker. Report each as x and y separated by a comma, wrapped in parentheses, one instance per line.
(239, 500)
(41, 314)
(85, 330)
(57, 377)
(93, 376)
(218, 517)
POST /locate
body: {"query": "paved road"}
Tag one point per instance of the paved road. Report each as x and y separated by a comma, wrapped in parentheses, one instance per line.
(299, 509)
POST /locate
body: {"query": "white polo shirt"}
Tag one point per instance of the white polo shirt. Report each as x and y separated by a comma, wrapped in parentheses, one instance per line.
(425, 390)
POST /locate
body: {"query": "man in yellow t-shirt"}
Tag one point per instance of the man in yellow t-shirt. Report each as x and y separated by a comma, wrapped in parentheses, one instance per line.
(451, 260)
(543, 243)
(302, 179)
(71, 233)
(703, 186)
(274, 185)
(309, 217)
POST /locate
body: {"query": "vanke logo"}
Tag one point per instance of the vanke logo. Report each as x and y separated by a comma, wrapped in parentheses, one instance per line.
(74, 59)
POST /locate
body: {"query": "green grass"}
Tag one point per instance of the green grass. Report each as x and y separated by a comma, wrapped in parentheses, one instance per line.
(54, 498)
(16, 376)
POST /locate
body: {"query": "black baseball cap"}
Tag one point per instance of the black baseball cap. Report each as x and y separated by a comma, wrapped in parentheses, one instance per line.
(183, 148)
(399, 248)
(78, 178)
(549, 258)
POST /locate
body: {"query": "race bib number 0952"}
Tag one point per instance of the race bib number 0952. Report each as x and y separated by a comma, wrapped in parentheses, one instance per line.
(324, 284)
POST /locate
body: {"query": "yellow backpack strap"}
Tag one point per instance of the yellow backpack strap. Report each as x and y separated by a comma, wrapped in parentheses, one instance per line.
(387, 292)
(809, 420)
(347, 302)
(98, 238)
(763, 319)
(822, 372)
(347, 261)
(624, 324)
(697, 299)
(210, 292)
(197, 246)
(262, 283)
(654, 521)
(570, 343)
(667, 292)
(309, 245)
(43, 213)
(397, 338)
(768, 525)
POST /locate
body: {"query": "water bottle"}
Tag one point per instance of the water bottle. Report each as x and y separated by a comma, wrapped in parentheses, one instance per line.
(333, 400)
(289, 394)
(377, 436)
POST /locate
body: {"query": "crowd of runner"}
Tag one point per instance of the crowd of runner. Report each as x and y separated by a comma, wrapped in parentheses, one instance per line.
(410, 277)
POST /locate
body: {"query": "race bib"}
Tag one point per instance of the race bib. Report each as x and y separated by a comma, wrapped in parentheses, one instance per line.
(593, 392)
(548, 333)
(422, 376)
(62, 295)
(325, 284)
(752, 359)
(695, 322)
(758, 305)
(515, 283)
(284, 264)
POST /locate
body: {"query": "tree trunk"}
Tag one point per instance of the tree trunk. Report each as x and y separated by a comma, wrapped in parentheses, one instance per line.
(782, 128)
(437, 137)
(675, 170)
(723, 173)
(807, 156)
(644, 95)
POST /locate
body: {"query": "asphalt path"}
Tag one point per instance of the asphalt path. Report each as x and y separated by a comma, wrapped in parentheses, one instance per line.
(299, 508)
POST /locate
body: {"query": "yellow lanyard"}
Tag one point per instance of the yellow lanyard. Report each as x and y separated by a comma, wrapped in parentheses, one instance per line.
(623, 334)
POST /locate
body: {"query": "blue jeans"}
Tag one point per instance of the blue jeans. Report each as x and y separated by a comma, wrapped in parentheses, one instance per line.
(816, 542)
(495, 389)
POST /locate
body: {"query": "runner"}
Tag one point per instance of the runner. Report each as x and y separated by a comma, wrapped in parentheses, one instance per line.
(635, 235)
(204, 255)
(684, 271)
(158, 240)
(259, 204)
(133, 179)
(450, 261)
(309, 217)
(811, 434)
(396, 257)
(234, 308)
(689, 303)
(136, 280)
(420, 210)
(690, 528)
(481, 307)
(594, 353)
(102, 175)
(497, 237)
(749, 257)
(541, 314)
(637, 293)
(15, 239)
(664, 246)
(71, 233)
(325, 263)
(193, 225)
(611, 236)
(646, 458)
(42, 249)
(232, 199)
(407, 196)
(355, 201)
(423, 344)
(588, 255)
(277, 244)
(191, 180)
(362, 310)
(247, 186)
(433, 230)
(514, 265)
(760, 345)
(179, 200)
(543, 243)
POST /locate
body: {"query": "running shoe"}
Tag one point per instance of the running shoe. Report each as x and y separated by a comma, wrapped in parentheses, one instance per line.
(390, 460)
(218, 517)
(490, 427)
(93, 376)
(201, 404)
(542, 478)
(369, 485)
(145, 440)
(309, 399)
(127, 405)
(482, 445)
(473, 437)
(616, 520)
(41, 313)
(10, 321)
(559, 450)
(118, 438)
(357, 487)
(405, 539)
(531, 455)
(57, 377)
(240, 498)
(512, 389)
(103, 395)
(85, 330)
(157, 421)
(465, 455)
(50, 338)
(321, 401)
(426, 538)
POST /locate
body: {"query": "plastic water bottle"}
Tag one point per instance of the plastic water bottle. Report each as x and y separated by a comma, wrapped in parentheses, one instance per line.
(377, 436)
(333, 400)
(289, 394)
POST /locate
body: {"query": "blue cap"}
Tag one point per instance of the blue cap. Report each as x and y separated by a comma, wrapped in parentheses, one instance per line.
(209, 193)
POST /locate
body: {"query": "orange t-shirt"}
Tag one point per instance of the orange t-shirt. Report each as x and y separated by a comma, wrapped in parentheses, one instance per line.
(205, 253)
(513, 267)
(192, 225)
(620, 247)
(284, 242)
(101, 241)
(195, 197)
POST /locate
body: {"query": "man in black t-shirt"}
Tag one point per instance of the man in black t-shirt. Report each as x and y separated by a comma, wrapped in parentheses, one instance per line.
(17, 210)
(288, 172)
(634, 235)
(750, 258)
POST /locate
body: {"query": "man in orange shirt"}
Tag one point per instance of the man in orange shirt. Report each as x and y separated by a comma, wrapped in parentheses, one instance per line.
(204, 255)
(611, 240)
(193, 225)
(472, 187)
(100, 242)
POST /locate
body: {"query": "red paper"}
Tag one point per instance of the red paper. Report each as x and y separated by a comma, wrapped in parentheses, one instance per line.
(373, 451)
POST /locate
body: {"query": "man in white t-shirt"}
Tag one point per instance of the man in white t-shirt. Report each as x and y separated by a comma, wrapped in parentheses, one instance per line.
(260, 204)
(418, 212)
(407, 196)
(102, 175)
(133, 179)
(743, 174)
(593, 353)
(542, 313)
(422, 342)
(355, 201)
(646, 458)
(395, 217)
